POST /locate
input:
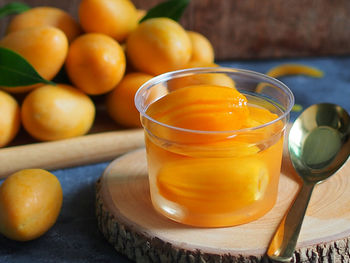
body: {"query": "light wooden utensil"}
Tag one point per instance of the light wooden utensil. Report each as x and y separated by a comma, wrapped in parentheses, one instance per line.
(70, 152)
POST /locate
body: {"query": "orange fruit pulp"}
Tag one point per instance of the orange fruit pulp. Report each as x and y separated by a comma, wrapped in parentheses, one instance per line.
(221, 177)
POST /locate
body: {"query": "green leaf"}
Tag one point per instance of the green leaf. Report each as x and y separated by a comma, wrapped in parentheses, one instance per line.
(13, 8)
(172, 9)
(16, 71)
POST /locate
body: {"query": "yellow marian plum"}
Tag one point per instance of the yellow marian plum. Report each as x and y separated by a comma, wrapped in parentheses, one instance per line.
(45, 48)
(158, 45)
(120, 102)
(57, 112)
(202, 50)
(115, 18)
(9, 118)
(95, 63)
(46, 16)
(30, 202)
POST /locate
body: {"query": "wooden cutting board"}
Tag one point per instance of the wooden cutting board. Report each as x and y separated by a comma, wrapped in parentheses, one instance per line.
(129, 222)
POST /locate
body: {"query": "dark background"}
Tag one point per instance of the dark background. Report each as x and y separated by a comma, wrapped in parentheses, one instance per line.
(256, 28)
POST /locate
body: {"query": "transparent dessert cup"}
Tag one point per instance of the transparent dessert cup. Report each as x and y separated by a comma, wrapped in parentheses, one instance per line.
(216, 178)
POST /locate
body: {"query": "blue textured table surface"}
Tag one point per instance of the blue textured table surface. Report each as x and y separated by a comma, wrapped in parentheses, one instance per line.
(75, 236)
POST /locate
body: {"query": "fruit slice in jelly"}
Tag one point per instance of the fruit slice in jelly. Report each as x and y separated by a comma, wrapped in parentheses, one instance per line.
(259, 116)
(221, 149)
(199, 107)
(213, 185)
(202, 107)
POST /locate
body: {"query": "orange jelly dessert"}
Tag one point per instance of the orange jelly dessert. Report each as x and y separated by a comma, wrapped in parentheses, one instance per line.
(214, 155)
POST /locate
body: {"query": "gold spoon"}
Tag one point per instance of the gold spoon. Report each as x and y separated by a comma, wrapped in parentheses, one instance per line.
(319, 144)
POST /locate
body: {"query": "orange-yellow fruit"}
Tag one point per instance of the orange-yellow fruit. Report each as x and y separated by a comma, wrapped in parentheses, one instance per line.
(9, 118)
(202, 107)
(198, 107)
(140, 14)
(46, 16)
(292, 69)
(201, 79)
(202, 50)
(120, 102)
(158, 45)
(95, 63)
(30, 202)
(57, 112)
(192, 183)
(45, 48)
(115, 18)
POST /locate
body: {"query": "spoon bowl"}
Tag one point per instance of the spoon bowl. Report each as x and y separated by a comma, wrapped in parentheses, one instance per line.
(319, 144)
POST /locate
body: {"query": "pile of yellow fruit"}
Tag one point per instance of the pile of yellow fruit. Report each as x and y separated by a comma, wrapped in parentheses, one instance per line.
(108, 52)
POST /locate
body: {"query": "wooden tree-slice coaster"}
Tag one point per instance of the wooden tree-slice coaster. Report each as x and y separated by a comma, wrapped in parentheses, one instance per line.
(128, 221)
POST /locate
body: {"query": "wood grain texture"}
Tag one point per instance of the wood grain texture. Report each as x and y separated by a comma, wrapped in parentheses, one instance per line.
(129, 222)
(92, 148)
(257, 28)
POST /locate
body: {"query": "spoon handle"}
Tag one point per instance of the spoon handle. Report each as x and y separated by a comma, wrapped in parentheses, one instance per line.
(283, 243)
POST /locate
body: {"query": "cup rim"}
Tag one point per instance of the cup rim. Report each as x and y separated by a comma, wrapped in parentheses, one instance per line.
(204, 70)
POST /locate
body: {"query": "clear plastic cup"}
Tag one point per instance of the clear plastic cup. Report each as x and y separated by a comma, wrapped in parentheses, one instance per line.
(212, 178)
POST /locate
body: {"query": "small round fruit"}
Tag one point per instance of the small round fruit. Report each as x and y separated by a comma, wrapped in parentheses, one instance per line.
(115, 18)
(30, 202)
(45, 48)
(120, 102)
(57, 112)
(158, 45)
(95, 63)
(9, 118)
(46, 16)
(202, 50)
